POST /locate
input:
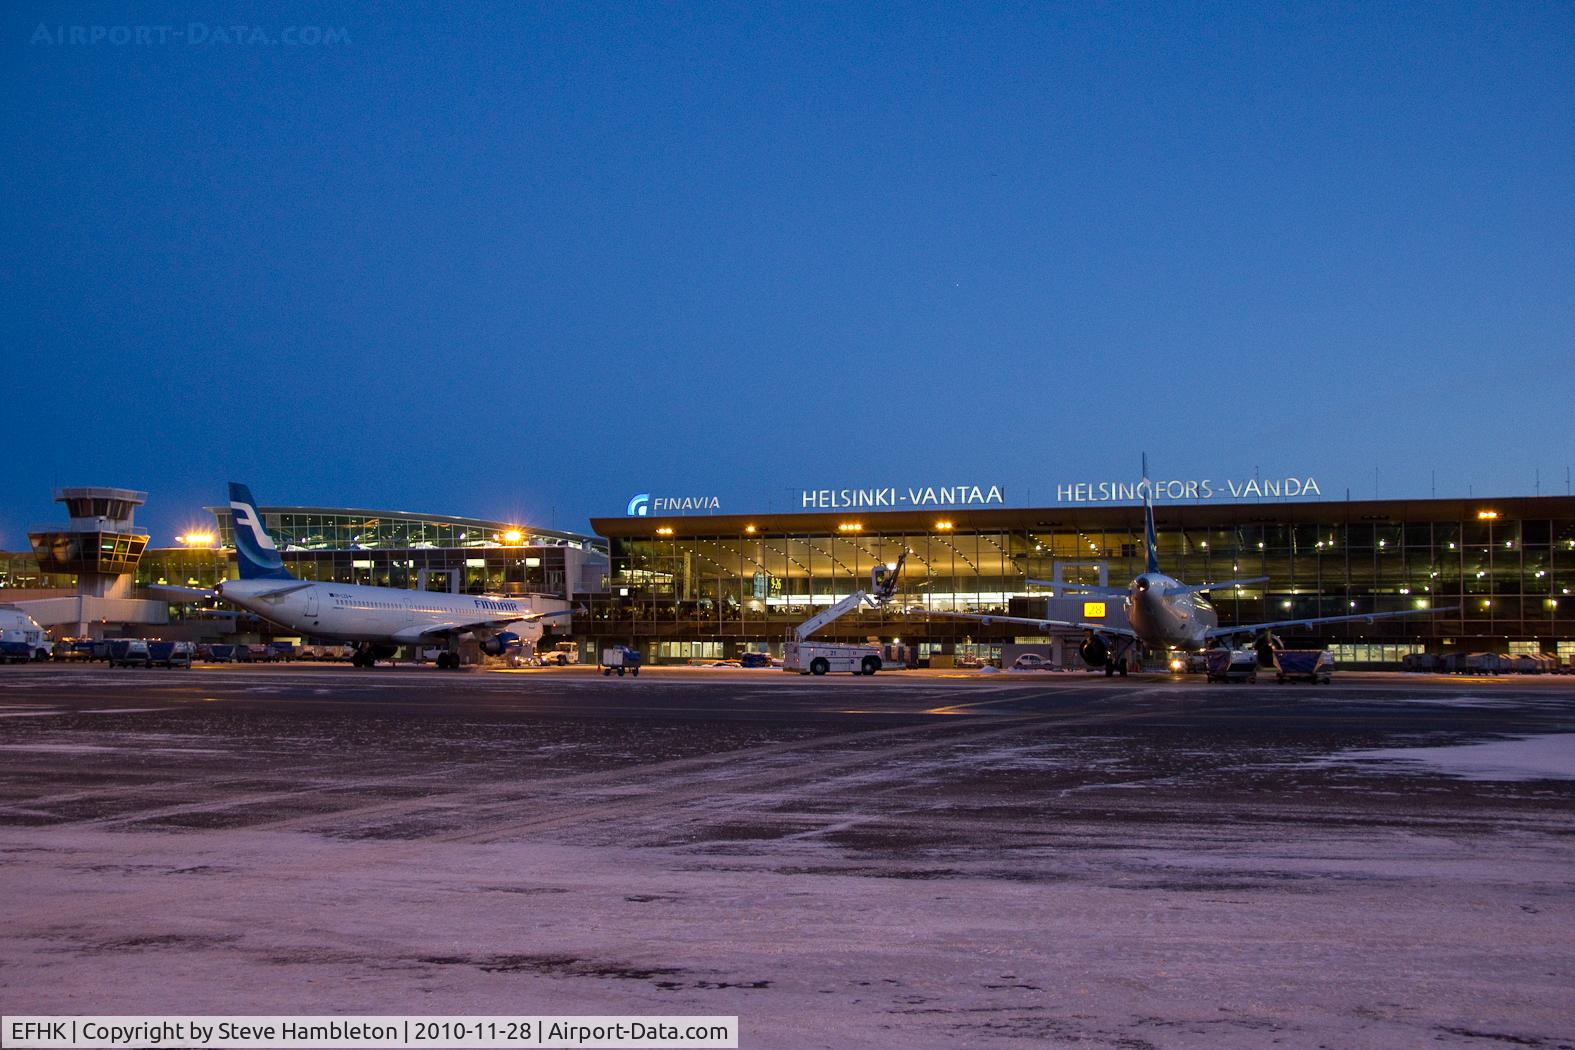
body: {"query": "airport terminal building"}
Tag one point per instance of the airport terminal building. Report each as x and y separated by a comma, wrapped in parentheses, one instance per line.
(346, 545)
(687, 587)
(1482, 574)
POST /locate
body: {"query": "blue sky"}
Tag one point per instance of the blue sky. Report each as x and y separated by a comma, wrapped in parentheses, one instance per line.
(525, 261)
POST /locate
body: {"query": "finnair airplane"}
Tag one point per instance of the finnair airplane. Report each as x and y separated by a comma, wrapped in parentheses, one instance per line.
(1164, 612)
(377, 619)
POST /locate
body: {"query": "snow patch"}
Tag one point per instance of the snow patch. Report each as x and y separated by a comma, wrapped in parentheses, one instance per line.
(1544, 757)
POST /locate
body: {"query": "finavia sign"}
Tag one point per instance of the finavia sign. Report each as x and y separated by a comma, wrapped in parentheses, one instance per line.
(911, 496)
(644, 505)
(1188, 488)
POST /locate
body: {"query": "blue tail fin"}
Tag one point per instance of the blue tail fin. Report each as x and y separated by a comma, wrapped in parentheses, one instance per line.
(1150, 539)
(255, 554)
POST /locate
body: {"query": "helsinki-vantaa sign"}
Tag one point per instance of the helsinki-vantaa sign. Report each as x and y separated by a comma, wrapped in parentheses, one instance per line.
(1188, 488)
(907, 496)
(892, 496)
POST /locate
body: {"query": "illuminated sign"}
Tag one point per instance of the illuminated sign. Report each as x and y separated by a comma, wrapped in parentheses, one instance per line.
(1094, 610)
(644, 505)
(893, 497)
(1187, 488)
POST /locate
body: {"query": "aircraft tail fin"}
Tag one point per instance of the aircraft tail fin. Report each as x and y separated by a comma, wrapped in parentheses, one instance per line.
(255, 555)
(1150, 537)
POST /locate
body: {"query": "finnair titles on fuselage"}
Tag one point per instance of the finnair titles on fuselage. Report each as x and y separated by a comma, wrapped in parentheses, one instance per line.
(378, 619)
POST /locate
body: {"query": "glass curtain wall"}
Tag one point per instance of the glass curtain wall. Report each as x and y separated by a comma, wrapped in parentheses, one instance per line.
(1508, 579)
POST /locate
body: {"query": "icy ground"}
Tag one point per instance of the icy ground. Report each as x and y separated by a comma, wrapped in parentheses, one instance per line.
(1527, 758)
(1127, 868)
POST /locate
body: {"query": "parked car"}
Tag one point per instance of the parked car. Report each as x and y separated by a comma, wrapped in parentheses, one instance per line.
(754, 660)
(1032, 662)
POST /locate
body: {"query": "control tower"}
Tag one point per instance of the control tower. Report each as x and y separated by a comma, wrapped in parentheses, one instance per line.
(101, 545)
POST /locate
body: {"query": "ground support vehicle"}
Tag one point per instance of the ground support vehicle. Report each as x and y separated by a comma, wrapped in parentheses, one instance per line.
(21, 638)
(802, 656)
(561, 655)
(170, 654)
(827, 657)
(1232, 665)
(15, 652)
(1303, 665)
(620, 658)
(129, 652)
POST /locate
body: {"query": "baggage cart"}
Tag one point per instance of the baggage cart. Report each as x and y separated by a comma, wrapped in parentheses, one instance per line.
(1303, 665)
(1232, 665)
(620, 658)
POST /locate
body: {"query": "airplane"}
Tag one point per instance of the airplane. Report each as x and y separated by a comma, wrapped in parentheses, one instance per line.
(378, 619)
(1164, 612)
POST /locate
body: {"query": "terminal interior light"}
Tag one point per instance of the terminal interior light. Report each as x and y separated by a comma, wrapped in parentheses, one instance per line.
(850, 526)
(665, 530)
(513, 536)
(749, 529)
(944, 526)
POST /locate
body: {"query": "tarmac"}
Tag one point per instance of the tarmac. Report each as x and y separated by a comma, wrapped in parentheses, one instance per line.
(913, 859)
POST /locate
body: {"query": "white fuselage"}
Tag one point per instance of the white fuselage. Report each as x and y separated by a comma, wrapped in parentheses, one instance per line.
(353, 613)
(1174, 622)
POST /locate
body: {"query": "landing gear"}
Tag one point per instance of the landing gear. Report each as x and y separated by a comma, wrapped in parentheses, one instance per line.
(448, 661)
(367, 654)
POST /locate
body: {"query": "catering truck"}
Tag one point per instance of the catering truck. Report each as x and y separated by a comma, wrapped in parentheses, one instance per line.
(802, 656)
(20, 637)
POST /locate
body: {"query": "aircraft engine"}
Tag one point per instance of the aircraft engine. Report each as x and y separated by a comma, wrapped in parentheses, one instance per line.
(1094, 652)
(500, 643)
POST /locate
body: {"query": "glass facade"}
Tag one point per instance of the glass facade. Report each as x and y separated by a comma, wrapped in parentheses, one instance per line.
(330, 528)
(378, 548)
(1506, 567)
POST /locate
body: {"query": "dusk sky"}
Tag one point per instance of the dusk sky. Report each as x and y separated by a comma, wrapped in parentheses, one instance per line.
(523, 262)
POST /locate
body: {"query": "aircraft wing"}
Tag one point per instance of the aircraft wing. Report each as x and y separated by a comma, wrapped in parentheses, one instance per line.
(988, 618)
(1082, 588)
(279, 592)
(420, 632)
(1198, 588)
(537, 616)
(1254, 628)
(168, 592)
